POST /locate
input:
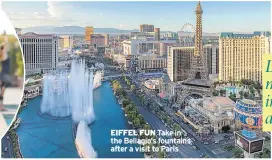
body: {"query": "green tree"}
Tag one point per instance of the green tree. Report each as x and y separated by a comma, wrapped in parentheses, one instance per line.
(129, 107)
(222, 92)
(141, 118)
(257, 85)
(132, 87)
(136, 122)
(232, 97)
(251, 89)
(126, 102)
(215, 93)
(246, 95)
(241, 94)
(147, 126)
(162, 154)
(116, 85)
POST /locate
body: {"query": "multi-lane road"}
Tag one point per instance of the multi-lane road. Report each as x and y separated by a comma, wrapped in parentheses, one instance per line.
(206, 149)
(185, 150)
(7, 151)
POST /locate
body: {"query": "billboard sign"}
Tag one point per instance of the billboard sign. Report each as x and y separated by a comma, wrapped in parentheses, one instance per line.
(241, 142)
(250, 146)
(256, 146)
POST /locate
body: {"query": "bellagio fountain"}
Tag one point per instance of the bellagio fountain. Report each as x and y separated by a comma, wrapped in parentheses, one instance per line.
(70, 93)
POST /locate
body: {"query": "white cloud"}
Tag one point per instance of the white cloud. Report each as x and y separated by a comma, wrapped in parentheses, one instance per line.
(38, 15)
(55, 13)
(121, 26)
(54, 10)
(68, 13)
(61, 10)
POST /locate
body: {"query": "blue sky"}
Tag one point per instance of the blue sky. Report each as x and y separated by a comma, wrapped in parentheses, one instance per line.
(5, 24)
(217, 16)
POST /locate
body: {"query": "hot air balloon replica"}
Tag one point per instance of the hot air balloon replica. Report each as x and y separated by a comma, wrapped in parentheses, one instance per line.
(248, 115)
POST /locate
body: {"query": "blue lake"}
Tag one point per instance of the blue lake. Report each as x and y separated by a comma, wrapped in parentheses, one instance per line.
(41, 136)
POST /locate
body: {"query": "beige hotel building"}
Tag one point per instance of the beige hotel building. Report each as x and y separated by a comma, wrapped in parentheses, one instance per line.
(240, 55)
(151, 61)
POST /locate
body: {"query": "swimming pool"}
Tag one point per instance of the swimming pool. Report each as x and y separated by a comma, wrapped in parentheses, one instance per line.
(231, 90)
(8, 118)
(13, 107)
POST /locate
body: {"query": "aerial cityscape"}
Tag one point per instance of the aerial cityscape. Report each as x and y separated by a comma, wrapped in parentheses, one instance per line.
(83, 82)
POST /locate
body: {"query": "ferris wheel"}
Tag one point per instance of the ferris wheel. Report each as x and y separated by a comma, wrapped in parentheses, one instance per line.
(187, 35)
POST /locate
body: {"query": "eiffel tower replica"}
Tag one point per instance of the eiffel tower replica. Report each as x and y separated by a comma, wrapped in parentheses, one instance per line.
(198, 81)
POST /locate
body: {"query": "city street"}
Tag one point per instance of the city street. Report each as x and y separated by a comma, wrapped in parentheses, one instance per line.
(185, 150)
(210, 149)
(6, 149)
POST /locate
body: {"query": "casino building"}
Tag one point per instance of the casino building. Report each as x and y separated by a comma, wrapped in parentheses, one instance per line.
(212, 113)
(248, 114)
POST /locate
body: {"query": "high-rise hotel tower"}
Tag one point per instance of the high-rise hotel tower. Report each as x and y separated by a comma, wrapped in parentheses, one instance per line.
(40, 52)
(240, 55)
(89, 30)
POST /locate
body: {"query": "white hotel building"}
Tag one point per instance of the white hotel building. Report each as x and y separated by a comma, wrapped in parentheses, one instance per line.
(40, 52)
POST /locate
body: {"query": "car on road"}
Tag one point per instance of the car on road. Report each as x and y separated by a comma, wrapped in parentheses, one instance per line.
(194, 147)
(6, 149)
(231, 137)
(7, 137)
(189, 140)
(206, 143)
(216, 142)
(202, 155)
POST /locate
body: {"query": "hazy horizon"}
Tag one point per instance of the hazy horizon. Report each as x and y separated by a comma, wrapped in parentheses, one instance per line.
(168, 16)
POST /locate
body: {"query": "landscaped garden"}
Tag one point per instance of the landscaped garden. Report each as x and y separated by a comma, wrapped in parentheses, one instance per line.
(238, 89)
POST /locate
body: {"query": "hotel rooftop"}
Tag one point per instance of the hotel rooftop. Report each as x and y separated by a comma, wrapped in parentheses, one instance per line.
(234, 35)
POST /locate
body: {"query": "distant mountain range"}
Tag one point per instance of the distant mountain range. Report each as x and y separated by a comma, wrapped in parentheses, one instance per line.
(77, 30)
(73, 30)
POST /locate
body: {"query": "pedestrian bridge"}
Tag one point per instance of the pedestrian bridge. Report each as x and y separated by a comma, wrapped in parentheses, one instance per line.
(115, 76)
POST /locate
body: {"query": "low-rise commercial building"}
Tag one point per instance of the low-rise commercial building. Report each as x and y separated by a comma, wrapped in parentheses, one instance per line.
(152, 84)
(151, 62)
(216, 112)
